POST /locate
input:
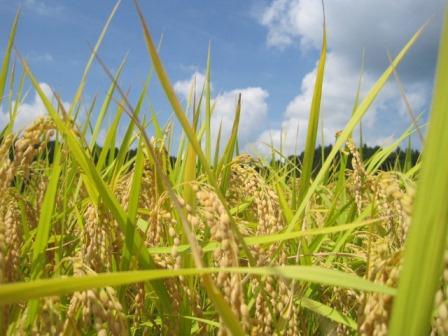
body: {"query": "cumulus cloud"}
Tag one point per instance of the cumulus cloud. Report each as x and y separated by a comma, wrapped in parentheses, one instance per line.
(336, 107)
(183, 87)
(253, 112)
(290, 20)
(375, 26)
(254, 107)
(29, 112)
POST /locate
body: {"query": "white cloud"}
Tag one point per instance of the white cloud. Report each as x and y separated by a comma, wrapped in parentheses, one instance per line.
(353, 25)
(288, 20)
(337, 104)
(183, 87)
(254, 108)
(253, 112)
(29, 112)
(339, 90)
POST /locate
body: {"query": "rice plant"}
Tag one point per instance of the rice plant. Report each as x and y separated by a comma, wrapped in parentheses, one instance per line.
(129, 241)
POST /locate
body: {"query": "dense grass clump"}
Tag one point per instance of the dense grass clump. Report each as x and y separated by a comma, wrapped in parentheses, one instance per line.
(94, 240)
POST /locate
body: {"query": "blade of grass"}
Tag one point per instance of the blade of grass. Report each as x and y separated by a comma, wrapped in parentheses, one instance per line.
(18, 292)
(87, 123)
(272, 238)
(313, 122)
(354, 120)
(172, 98)
(133, 205)
(327, 312)
(127, 139)
(105, 105)
(15, 107)
(190, 161)
(217, 146)
(6, 58)
(406, 102)
(93, 181)
(427, 237)
(46, 213)
(208, 136)
(43, 231)
(213, 292)
(82, 84)
(189, 132)
(224, 165)
(109, 143)
(377, 159)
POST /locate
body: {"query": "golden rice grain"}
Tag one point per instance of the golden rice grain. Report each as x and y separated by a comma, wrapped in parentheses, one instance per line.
(226, 255)
(97, 308)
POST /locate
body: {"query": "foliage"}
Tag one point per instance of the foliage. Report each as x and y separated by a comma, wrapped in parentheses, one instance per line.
(125, 239)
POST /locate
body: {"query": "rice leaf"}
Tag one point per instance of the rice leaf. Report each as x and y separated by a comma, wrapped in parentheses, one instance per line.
(327, 312)
(18, 292)
(427, 236)
(6, 58)
(93, 181)
(313, 122)
(354, 120)
(82, 84)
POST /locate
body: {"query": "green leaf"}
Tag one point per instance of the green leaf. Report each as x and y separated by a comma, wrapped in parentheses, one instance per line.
(427, 236)
(82, 84)
(7, 57)
(134, 195)
(46, 213)
(172, 98)
(313, 122)
(17, 292)
(95, 184)
(43, 230)
(224, 165)
(354, 120)
(269, 239)
(327, 312)
(208, 113)
(105, 106)
(109, 143)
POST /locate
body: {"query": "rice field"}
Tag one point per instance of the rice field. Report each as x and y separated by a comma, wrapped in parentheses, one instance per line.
(123, 239)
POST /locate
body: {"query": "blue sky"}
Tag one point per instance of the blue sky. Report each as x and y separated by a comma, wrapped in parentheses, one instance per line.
(267, 50)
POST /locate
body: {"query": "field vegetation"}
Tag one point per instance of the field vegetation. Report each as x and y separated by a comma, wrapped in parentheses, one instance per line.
(94, 240)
